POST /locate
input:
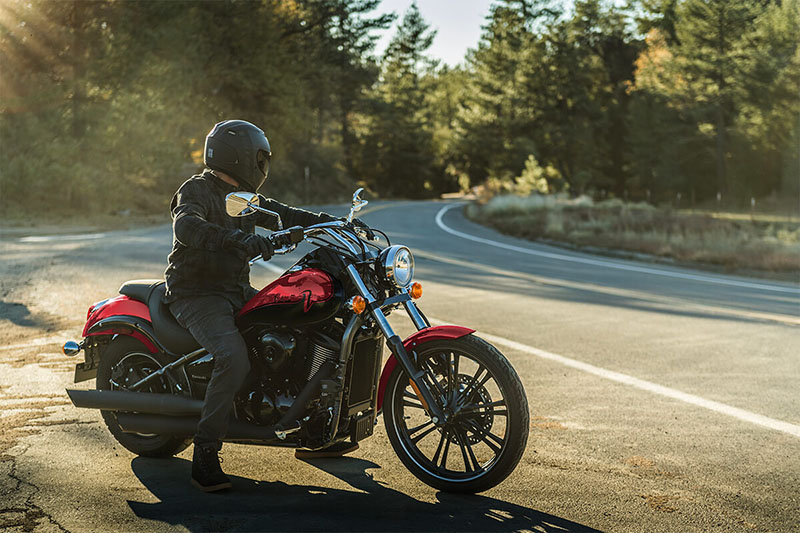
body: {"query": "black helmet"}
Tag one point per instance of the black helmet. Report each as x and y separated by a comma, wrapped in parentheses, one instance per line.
(241, 150)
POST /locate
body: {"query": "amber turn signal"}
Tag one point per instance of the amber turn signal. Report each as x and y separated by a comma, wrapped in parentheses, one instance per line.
(415, 290)
(357, 304)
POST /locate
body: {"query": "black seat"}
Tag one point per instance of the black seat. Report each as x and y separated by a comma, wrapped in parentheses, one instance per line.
(139, 289)
(168, 332)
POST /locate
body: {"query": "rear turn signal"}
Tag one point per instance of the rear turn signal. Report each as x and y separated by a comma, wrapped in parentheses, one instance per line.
(71, 348)
(416, 290)
(357, 304)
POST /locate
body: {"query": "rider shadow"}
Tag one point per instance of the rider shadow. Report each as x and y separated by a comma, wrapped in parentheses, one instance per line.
(370, 506)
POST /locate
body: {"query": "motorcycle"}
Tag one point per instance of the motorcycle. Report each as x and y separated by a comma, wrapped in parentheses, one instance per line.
(454, 409)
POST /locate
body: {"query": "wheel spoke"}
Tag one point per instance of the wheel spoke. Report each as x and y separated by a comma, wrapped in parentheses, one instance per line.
(414, 405)
(464, 395)
(490, 439)
(476, 407)
(451, 381)
(442, 440)
(477, 387)
(422, 435)
(443, 466)
(409, 395)
(432, 378)
(470, 462)
(419, 427)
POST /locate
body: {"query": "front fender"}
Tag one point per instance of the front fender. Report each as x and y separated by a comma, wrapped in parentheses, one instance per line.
(411, 343)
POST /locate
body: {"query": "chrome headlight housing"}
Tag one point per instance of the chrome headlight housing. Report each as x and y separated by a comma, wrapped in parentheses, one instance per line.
(397, 265)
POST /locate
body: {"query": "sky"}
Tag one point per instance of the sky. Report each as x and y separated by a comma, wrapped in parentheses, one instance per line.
(458, 23)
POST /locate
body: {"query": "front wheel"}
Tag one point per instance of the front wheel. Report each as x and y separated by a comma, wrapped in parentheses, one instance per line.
(486, 430)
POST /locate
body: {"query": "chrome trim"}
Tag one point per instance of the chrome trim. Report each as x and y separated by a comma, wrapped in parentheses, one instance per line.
(357, 203)
(389, 258)
(71, 348)
(377, 314)
(413, 312)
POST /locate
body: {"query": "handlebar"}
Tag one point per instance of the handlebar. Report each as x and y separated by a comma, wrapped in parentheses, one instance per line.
(285, 241)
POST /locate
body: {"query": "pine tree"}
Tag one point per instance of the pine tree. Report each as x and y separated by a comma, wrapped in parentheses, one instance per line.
(713, 36)
(398, 153)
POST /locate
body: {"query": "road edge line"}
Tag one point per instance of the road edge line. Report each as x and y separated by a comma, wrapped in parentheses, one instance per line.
(606, 264)
(649, 386)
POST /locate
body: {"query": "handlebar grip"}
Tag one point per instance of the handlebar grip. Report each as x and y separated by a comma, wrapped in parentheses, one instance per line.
(296, 234)
(288, 237)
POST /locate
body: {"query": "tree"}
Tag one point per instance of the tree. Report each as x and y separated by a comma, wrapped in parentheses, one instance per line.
(713, 36)
(397, 155)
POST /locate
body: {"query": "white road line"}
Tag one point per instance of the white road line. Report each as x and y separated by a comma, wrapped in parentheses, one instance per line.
(735, 412)
(606, 264)
(49, 238)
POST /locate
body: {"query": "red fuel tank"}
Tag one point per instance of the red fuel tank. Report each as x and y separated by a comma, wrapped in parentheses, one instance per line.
(297, 298)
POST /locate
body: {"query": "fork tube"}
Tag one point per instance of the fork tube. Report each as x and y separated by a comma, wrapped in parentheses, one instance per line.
(416, 317)
(398, 349)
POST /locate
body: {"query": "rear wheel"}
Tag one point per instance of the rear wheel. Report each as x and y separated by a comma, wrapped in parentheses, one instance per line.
(487, 416)
(124, 362)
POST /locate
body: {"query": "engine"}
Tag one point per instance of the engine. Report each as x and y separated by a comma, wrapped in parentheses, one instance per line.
(282, 362)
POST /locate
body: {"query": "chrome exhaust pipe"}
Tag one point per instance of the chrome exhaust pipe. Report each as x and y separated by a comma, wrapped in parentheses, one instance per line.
(187, 426)
(140, 402)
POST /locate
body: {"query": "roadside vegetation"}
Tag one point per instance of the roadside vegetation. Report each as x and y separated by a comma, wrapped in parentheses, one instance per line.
(767, 243)
(104, 105)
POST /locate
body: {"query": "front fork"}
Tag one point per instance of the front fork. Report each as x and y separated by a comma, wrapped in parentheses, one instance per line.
(395, 344)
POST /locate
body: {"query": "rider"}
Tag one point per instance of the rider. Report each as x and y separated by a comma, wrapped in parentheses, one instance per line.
(208, 275)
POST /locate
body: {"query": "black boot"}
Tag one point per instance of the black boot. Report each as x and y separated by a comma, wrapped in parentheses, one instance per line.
(207, 475)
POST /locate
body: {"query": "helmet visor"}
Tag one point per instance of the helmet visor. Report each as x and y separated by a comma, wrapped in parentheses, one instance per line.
(262, 160)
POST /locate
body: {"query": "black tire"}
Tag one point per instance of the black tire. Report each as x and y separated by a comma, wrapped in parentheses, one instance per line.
(478, 410)
(137, 360)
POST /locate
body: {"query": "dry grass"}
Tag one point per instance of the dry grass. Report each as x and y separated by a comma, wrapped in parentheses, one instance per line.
(732, 243)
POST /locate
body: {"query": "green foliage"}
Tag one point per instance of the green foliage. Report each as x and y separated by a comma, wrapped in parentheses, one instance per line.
(397, 154)
(104, 104)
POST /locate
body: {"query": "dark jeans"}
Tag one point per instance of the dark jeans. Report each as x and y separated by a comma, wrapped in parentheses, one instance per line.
(210, 320)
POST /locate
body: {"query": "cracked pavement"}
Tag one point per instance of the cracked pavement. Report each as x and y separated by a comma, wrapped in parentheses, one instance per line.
(601, 455)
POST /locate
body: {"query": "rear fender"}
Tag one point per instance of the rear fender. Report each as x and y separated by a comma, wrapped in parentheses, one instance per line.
(119, 306)
(132, 326)
(122, 316)
(412, 343)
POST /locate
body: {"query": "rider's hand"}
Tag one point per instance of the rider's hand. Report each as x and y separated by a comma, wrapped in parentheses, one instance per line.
(360, 224)
(253, 244)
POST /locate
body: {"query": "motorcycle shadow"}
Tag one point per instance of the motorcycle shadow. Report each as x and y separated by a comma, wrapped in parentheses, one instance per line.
(370, 506)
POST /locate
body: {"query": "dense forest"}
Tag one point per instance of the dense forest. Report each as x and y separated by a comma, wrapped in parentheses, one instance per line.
(104, 105)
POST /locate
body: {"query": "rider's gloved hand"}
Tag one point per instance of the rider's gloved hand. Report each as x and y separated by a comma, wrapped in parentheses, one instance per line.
(360, 224)
(251, 244)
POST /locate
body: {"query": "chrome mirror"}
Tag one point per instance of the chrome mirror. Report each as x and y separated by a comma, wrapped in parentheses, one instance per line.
(241, 204)
(358, 203)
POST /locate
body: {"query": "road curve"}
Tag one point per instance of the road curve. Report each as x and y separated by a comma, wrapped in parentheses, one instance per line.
(662, 398)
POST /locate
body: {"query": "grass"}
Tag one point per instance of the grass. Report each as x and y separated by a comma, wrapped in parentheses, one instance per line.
(769, 244)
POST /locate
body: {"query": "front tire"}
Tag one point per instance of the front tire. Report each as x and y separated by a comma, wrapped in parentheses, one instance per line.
(487, 428)
(124, 362)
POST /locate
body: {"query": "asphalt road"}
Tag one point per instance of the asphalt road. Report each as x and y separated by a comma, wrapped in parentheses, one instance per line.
(662, 398)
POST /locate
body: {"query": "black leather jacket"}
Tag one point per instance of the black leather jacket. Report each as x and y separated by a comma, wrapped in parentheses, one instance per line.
(203, 260)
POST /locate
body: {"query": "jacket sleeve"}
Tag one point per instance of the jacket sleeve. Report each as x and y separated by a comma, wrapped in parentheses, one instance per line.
(189, 224)
(291, 216)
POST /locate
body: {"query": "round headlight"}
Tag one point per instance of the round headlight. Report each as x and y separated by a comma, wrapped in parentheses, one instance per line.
(398, 265)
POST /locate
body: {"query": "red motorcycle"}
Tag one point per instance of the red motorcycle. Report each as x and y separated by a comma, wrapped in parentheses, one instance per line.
(454, 408)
